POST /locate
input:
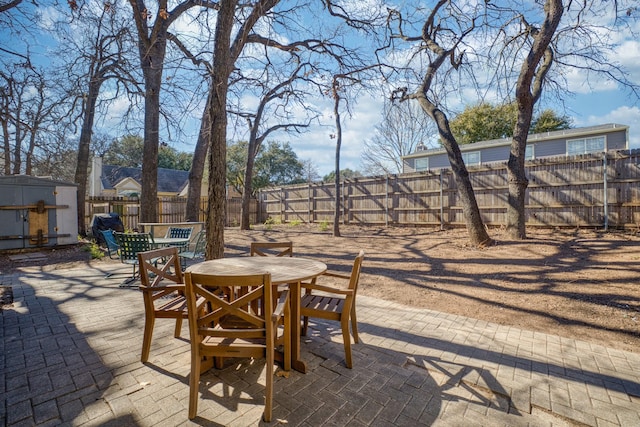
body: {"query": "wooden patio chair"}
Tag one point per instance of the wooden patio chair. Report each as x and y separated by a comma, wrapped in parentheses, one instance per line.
(162, 290)
(334, 303)
(271, 249)
(221, 328)
(130, 245)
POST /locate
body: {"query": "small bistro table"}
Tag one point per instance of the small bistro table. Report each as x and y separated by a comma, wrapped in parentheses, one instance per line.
(284, 271)
(160, 228)
(161, 242)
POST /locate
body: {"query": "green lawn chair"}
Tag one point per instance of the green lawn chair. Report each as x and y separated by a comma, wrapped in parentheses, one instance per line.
(130, 245)
(180, 233)
(111, 243)
(195, 252)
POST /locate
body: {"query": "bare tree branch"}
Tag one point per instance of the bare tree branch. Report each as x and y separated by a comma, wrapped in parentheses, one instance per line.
(9, 5)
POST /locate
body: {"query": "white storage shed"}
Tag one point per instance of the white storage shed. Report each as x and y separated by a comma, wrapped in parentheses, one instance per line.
(37, 212)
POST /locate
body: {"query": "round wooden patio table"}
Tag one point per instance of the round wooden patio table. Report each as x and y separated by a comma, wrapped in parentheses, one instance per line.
(284, 270)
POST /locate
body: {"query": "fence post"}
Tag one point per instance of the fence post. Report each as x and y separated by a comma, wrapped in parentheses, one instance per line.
(386, 202)
(282, 218)
(345, 211)
(309, 202)
(441, 199)
(605, 198)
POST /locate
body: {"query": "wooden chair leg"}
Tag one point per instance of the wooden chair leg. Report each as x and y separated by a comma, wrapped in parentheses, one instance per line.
(287, 340)
(269, 387)
(354, 326)
(218, 362)
(194, 384)
(346, 336)
(305, 325)
(178, 329)
(146, 337)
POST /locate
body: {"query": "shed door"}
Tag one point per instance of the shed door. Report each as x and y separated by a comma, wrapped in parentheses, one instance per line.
(15, 226)
(11, 221)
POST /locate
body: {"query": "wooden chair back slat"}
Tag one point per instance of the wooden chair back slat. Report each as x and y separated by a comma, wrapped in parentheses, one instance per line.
(271, 249)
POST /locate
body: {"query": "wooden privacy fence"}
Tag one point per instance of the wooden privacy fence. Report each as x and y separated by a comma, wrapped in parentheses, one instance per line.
(170, 209)
(595, 190)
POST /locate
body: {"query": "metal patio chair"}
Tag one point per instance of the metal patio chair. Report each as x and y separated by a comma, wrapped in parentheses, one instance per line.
(196, 251)
(111, 244)
(130, 245)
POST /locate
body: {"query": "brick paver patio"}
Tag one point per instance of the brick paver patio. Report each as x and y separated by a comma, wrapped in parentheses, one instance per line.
(71, 348)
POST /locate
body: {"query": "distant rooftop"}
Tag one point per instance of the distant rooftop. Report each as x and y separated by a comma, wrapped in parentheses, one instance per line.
(573, 132)
(169, 180)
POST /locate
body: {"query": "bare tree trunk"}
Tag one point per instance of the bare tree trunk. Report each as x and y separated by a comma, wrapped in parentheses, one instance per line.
(225, 55)
(336, 112)
(528, 91)
(28, 169)
(152, 47)
(36, 120)
(17, 149)
(252, 153)
(82, 166)
(152, 70)
(218, 134)
(245, 209)
(478, 235)
(6, 96)
(7, 146)
(196, 173)
(517, 177)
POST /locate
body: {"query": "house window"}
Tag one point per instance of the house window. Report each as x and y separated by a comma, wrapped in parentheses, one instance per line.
(422, 164)
(585, 145)
(529, 152)
(471, 158)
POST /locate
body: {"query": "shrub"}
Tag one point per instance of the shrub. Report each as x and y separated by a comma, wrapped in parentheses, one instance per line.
(268, 224)
(94, 250)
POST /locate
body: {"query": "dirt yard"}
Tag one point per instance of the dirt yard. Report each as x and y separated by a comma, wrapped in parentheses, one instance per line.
(582, 284)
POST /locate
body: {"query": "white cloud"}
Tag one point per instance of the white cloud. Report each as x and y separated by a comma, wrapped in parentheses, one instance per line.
(626, 54)
(579, 82)
(318, 146)
(624, 115)
(48, 17)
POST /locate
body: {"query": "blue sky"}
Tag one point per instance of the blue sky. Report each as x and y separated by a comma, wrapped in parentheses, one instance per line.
(595, 103)
(585, 110)
(591, 100)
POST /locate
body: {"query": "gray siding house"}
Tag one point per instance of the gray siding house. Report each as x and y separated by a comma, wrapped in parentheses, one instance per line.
(568, 142)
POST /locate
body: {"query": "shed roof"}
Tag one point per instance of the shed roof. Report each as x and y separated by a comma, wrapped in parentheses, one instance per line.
(33, 180)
